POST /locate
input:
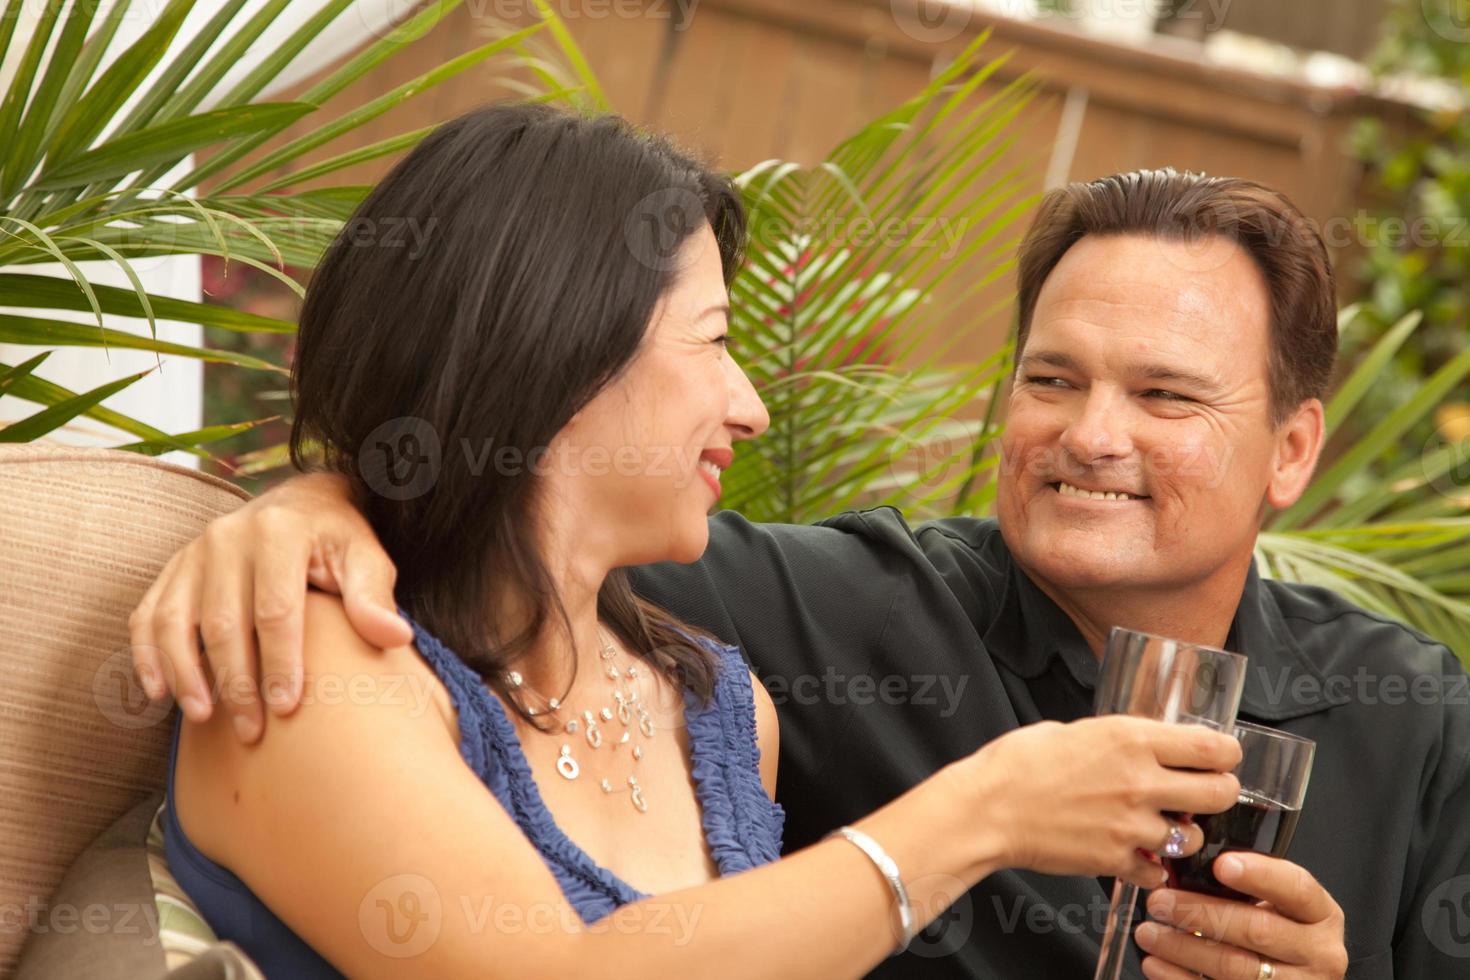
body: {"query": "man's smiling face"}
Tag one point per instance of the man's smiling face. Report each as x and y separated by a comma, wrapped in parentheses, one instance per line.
(1145, 377)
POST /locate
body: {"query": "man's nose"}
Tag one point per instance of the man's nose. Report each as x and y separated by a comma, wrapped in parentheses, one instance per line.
(1100, 431)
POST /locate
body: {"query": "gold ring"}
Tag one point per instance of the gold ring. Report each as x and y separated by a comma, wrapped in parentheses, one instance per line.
(1267, 971)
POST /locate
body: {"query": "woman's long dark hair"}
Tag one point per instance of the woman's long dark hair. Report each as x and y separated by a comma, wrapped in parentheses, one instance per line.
(488, 288)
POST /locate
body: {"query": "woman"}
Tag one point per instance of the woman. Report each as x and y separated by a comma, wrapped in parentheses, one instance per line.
(540, 398)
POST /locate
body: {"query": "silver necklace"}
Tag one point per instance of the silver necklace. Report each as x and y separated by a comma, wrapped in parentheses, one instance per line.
(629, 711)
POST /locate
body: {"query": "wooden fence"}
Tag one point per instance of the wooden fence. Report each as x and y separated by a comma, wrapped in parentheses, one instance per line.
(740, 81)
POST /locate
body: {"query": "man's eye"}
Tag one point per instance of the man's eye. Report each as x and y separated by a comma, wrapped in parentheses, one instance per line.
(1044, 381)
(1168, 396)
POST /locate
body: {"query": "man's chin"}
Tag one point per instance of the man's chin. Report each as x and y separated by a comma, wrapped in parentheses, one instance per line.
(1075, 561)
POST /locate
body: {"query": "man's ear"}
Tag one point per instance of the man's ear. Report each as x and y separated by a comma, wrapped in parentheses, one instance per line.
(1298, 444)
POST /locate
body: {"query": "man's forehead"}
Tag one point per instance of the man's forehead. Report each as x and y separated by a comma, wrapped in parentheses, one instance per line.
(1147, 272)
(1144, 293)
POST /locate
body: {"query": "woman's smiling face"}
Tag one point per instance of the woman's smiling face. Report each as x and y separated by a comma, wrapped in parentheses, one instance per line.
(639, 464)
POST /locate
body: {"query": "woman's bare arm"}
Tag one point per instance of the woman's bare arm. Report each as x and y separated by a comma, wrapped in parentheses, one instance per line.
(356, 821)
(356, 815)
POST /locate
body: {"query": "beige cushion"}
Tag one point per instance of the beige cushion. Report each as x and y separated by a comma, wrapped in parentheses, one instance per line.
(102, 915)
(84, 533)
(118, 914)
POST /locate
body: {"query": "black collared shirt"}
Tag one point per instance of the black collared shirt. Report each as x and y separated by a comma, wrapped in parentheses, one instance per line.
(890, 652)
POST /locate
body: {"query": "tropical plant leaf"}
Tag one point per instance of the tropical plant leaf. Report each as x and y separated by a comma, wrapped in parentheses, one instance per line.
(1369, 369)
(264, 460)
(25, 146)
(39, 391)
(201, 84)
(823, 316)
(394, 144)
(46, 245)
(19, 289)
(85, 66)
(38, 331)
(8, 19)
(173, 77)
(1365, 451)
(199, 437)
(10, 375)
(144, 302)
(168, 142)
(87, 118)
(96, 195)
(1376, 584)
(356, 117)
(49, 419)
(19, 92)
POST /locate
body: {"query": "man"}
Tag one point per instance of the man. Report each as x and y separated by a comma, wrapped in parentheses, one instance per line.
(1176, 336)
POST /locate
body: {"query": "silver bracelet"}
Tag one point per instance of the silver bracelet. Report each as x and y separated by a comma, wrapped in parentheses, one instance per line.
(889, 869)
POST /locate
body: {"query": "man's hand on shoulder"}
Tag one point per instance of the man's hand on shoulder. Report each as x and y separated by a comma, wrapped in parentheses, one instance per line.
(240, 587)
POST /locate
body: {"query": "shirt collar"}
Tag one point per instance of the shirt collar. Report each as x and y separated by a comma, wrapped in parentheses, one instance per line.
(1281, 681)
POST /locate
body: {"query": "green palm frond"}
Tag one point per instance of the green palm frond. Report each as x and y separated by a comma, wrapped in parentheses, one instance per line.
(84, 179)
(840, 294)
(1393, 537)
(55, 416)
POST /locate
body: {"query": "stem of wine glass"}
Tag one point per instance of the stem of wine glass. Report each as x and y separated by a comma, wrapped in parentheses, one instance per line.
(1115, 935)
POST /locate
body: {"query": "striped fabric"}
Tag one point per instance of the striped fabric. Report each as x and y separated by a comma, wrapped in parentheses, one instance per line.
(83, 533)
(182, 931)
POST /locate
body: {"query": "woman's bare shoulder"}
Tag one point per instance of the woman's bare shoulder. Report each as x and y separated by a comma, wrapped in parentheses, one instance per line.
(359, 790)
(343, 667)
(218, 778)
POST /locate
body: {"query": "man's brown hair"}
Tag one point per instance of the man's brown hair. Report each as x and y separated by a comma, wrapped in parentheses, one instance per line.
(1187, 207)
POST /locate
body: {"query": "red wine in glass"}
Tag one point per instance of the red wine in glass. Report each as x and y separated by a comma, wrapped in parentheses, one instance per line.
(1253, 824)
(1274, 769)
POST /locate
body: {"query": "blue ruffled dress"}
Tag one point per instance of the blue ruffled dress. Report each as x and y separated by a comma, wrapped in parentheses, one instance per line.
(741, 824)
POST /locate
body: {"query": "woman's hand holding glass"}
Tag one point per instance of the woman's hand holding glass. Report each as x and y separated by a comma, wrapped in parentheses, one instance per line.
(1087, 797)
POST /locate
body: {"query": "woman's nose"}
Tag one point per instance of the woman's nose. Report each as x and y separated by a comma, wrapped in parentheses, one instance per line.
(747, 416)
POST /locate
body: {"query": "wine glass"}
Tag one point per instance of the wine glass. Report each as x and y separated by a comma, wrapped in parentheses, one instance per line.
(1168, 680)
(1273, 772)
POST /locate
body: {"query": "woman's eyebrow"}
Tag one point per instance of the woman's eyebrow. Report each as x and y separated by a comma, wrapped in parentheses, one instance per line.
(717, 308)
